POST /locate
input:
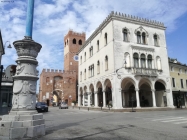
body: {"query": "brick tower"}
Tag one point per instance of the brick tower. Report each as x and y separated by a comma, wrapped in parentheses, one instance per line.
(63, 84)
(72, 43)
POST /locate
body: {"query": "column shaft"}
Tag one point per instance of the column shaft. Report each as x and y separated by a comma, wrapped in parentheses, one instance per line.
(153, 97)
(137, 98)
(96, 100)
(104, 99)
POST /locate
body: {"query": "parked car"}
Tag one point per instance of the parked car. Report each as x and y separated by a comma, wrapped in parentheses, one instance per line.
(41, 106)
(63, 105)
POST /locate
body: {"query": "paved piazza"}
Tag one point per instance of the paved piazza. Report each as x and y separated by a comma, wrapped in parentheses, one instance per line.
(62, 124)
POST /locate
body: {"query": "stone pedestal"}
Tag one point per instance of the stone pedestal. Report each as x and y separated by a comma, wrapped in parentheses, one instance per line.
(23, 121)
(22, 124)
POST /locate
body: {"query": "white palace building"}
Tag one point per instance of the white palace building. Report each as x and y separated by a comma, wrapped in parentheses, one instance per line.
(124, 63)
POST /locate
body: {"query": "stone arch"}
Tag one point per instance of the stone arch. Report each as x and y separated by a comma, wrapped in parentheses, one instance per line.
(92, 94)
(160, 94)
(145, 92)
(107, 97)
(99, 89)
(128, 93)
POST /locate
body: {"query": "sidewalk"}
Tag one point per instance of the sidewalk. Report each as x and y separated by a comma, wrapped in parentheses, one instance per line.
(143, 109)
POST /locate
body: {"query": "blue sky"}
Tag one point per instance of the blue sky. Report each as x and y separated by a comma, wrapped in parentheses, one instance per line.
(53, 19)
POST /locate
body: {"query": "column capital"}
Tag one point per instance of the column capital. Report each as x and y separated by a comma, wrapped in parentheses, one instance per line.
(89, 93)
(153, 90)
(136, 89)
(96, 92)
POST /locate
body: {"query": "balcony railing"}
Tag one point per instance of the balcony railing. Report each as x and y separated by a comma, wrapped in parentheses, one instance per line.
(145, 72)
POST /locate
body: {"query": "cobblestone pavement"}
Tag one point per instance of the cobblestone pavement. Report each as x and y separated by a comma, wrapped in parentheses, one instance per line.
(67, 124)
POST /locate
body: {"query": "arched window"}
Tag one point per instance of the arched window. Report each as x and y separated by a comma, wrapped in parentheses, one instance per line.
(67, 42)
(125, 37)
(106, 62)
(138, 37)
(81, 59)
(91, 51)
(158, 61)
(155, 40)
(97, 45)
(98, 67)
(143, 38)
(89, 71)
(81, 76)
(85, 56)
(80, 42)
(74, 41)
(92, 69)
(135, 57)
(149, 60)
(105, 38)
(127, 60)
(85, 74)
(143, 61)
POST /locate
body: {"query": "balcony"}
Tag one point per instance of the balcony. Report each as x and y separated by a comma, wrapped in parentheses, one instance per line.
(145, 72)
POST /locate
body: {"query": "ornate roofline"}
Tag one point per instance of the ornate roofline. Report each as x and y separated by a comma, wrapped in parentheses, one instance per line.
(123, 17)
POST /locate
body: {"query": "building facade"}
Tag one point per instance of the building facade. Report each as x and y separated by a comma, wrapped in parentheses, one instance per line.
(178, 73)
(124, 63)
(58, 85)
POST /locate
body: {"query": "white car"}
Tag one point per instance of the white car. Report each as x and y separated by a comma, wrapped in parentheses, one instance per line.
(63, 105)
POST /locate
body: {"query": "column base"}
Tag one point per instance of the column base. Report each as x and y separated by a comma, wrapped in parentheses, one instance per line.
(22, 124)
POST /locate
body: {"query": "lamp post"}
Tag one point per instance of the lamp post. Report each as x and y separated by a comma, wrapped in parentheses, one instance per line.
(9, 46)
(118, 75)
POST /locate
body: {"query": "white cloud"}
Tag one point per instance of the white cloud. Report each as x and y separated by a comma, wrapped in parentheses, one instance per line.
(52, 20)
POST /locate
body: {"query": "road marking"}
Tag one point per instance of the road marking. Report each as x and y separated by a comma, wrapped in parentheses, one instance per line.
(180, 122)
(175, 120)
(167, 118)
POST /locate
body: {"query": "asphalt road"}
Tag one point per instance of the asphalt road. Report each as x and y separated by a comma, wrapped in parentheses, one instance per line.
(62, 124)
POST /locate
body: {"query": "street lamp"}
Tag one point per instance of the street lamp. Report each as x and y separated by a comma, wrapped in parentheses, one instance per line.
(9, 46)
(118, 75)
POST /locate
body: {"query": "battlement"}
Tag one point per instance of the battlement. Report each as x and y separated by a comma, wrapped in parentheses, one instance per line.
(58, 71)
(125, 17)
(71, 32)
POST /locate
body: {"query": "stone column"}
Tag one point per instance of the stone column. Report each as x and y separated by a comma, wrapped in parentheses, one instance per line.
(137, 98)
(139, 62)
(146, 63)
(153, 97)
(89, 93)
(104, 99)
(83, 100)
(79, 100)
(96, 99)
(123, 97)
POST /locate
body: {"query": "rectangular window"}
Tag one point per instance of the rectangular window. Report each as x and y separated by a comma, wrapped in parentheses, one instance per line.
(173, 81)
(182, 83)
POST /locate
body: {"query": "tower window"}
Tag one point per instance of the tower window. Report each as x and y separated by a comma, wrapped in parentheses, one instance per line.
(74, 41)
(80, 42)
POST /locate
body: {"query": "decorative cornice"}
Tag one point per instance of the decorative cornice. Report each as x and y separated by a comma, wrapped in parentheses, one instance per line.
(142, 48)
(123, 17)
